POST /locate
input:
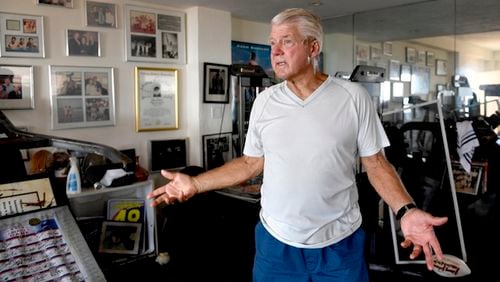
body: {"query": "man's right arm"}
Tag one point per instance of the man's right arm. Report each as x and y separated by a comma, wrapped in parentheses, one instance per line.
(182, 187)
(232, 173)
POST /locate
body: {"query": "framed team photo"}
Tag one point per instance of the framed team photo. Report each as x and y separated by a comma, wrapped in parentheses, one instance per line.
(21, 35)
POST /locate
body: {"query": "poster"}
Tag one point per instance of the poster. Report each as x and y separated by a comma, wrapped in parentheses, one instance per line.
(252, 54)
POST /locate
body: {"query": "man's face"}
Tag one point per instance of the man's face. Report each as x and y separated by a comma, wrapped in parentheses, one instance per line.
(288, 51)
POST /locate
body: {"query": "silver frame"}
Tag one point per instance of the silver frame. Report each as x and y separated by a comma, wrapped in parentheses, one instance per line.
(90, 4)
(79, 100)
(68, 37)
(26, 73)
(4, 32)
(157, 35)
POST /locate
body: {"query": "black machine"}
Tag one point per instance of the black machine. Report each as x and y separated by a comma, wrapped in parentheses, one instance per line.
(246, 82)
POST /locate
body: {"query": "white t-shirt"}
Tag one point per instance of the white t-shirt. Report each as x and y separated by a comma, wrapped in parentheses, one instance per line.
(310, 147)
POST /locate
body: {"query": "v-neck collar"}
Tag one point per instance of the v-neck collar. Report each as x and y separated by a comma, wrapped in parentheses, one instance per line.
(310, 98)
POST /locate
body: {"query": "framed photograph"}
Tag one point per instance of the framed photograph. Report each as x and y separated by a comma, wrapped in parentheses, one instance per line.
(215, 83)
(168, 154)
(394, 70)
(387, 48)
(13, 25)
(375, 53)
(411, 55)
(440, 87)
(217, 149)
(156, 99)
(21, 35)
(420, 80)
(421, 57)
(362, 54)
(16, 87)
(467, 183)
(83, 43)
(56, 3)
(120, 237)
(441, 67)
(82, 96)
(100, 14)
(405, 72)
(153, 35)
(429, 60)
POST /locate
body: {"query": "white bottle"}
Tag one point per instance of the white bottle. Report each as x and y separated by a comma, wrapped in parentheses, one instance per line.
(73, 181)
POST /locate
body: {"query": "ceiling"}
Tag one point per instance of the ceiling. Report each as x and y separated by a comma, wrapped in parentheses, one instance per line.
(378, 20)
(264, 10)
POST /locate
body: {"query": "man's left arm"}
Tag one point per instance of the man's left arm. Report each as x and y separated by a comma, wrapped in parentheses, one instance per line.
(416, 224)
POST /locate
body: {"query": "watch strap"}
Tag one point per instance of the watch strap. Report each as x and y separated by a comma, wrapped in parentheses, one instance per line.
(404, 209)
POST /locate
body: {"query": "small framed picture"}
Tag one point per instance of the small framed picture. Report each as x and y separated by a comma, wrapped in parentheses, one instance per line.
(429, 60)
(421, 57)
(215, 83)
(440, 87)
(13, 25)
(21, 36)
(387, 48)
(100, 14)
(154, 35)
(120, 237)
(56, 3)
(441, 67)
(405, 72)
(83, 43)
(362, 54)
(411, 55)
(375, 53)
(156, 99)
(467, 183)
(394, 70)
(217, 149)
(16, 87)
(82, 96)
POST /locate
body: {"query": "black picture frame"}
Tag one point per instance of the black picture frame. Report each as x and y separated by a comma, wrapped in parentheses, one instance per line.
(215, 83)
(168, 154)
(217, 149)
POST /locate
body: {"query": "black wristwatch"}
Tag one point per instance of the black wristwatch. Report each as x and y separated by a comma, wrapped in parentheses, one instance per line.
(404, 209)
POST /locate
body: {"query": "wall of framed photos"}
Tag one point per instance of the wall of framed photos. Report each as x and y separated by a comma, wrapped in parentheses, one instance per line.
(112, 53)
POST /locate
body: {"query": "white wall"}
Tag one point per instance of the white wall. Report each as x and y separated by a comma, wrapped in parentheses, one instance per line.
(247, 31)
(203, 44)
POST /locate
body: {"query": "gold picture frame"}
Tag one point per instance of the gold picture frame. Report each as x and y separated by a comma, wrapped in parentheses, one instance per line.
(156, 99)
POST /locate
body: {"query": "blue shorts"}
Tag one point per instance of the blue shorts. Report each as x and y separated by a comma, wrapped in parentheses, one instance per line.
(343, 261)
